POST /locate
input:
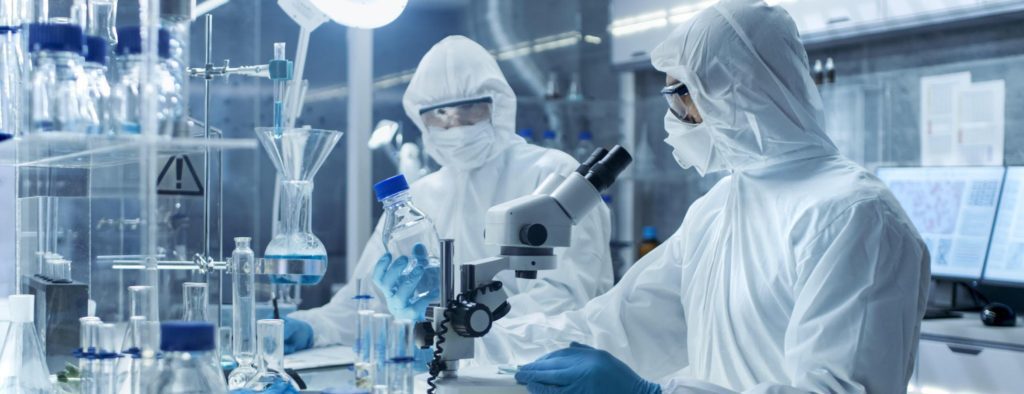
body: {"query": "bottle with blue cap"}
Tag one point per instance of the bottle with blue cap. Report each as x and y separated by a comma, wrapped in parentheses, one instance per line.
(404, 227)
(584, 147)
(551, 140)
(97, 88)
(527, 134)
(11, 66)
(126, 94)
(188, 364)
(56, 100)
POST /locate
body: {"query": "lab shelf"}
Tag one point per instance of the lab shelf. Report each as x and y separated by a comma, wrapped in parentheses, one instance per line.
(58, 150)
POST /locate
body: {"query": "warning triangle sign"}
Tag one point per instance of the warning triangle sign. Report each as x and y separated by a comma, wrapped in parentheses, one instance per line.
(178, 177)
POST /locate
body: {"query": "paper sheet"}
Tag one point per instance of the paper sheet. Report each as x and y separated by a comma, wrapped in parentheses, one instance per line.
(320, 357)
(962, 123)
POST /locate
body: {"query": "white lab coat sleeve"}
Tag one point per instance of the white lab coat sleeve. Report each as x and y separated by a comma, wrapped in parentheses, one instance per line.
(584, 271)
(334, 322)
(640, 321)
(860, 293)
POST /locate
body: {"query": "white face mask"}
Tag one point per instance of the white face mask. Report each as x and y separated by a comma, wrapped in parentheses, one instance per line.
(691, 143)
(463, 148)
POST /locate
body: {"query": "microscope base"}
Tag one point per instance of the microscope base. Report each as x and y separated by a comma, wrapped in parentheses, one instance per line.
(474, 379)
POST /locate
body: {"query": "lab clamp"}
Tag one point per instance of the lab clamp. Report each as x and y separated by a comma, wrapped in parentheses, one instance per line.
(527, 230)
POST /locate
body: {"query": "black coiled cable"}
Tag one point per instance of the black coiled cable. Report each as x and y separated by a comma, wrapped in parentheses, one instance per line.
(436, 365)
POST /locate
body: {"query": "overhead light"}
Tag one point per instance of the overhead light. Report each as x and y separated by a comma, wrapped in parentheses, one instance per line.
(684, 13)
(365, 14)
(639, 23)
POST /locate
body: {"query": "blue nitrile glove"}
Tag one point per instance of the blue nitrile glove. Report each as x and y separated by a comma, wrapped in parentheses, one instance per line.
(298, 335)
(399, 288)
(582, 369)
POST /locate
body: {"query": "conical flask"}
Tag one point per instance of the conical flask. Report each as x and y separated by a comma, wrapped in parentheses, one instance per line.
(295, 255)
(22, 362)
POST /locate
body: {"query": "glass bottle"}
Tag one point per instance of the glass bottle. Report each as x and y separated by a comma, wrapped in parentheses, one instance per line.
(551, 140)
(195, 298)
(295, 240)
(271, 377)
(404, 227)
(56, 96)
(175, 18)
(649, 241)
(187, 366)
(12, 62)
(243, 313)
(97, 88)
(126, 93)
(22, 361)
(585, 147)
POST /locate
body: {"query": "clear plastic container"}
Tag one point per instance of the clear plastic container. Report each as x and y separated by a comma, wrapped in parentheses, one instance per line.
(189, 349)
(22, 361)
(57, 101)
(104, 367)
(404, 227)
(86, 352)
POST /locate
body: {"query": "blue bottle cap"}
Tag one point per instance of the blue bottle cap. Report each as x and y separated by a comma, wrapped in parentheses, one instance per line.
(549, 134)
(650, 232)
(187, 336)
(129, 42)
(390, 187)
(586, 136)
(96, 49)
(55, 37)
(525, 133)
(607, 198)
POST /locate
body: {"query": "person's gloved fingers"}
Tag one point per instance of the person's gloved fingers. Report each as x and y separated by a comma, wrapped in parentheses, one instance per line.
(421, 305)
(288, 348)
(392, 274)
(407, 285)
(540, 388)
(575, 344)
(558, 354)
(419, 253)
(552, 377)
(550, 364)
(378, 270)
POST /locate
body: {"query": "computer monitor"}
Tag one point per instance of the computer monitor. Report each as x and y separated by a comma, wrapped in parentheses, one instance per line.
(953, 209)
(1006, 255)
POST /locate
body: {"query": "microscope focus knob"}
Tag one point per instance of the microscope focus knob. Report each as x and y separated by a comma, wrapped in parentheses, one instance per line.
(471, 320)
(533, 234)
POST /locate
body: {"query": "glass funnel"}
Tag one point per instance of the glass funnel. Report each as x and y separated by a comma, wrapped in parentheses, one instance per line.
(295, 255)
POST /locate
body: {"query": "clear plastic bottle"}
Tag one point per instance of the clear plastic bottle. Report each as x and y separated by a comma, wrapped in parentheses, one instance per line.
(584, 147)
(551, 140)
(22, 361)
(271, 377)
(97, 88)
(404, 227)
(57, 100)
(189, 349)
(125, 97)
(243, 313)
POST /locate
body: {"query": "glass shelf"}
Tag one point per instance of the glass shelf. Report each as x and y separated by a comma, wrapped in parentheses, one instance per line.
(53, 150)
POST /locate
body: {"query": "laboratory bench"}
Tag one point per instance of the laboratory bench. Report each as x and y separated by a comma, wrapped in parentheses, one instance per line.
(960, 355)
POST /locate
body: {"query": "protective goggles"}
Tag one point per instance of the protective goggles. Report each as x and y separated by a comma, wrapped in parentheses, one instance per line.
(674, 94)
(458, 113)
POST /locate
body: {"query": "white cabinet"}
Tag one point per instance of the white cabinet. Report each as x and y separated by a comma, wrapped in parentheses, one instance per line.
(964, 356)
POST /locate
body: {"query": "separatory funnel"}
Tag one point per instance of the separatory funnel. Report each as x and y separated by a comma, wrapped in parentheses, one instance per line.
(295, 255)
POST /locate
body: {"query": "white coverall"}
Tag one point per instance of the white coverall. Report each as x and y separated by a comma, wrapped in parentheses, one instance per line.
(797, 273)
(458, 195)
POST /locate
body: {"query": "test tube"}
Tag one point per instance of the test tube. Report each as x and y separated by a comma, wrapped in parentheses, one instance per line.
(106, 355)
(401, 356)
(139, 298)
(379, 355)
(280, 85)
(128, 377)
(364, 365)
(86, 337)
(195, 299)
(62, 271)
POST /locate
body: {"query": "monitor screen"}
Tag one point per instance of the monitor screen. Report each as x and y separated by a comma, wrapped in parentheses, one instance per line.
(953, 209)
(1006, 255)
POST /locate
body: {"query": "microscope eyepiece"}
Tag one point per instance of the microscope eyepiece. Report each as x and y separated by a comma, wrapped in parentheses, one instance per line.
(595, 157)
(603, 173)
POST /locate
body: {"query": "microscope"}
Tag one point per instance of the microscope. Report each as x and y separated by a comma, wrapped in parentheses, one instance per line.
(527, 230)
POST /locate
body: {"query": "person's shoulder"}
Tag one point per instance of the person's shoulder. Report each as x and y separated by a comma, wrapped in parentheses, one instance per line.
(844, 192)
(544, 160)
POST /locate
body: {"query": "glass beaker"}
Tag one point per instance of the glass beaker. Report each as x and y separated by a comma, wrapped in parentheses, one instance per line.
(195, 297)
(295, 255)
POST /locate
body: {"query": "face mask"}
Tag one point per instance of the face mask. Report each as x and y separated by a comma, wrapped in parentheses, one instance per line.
(691, 143)
(464, 147)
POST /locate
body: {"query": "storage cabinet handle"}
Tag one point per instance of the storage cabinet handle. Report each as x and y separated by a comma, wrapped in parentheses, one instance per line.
(964, 350)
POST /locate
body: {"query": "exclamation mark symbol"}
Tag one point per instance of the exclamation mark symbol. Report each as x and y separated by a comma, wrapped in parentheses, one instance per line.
(177, 174)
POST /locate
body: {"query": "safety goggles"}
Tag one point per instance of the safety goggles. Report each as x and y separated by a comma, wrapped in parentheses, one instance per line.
(458, 113)
(675, 95)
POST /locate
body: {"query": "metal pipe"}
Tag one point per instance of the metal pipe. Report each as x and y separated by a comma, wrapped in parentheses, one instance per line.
(447, 271)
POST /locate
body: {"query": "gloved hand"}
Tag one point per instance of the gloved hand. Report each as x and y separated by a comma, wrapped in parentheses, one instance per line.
(298, 335)
(582, 369)
(399, 288)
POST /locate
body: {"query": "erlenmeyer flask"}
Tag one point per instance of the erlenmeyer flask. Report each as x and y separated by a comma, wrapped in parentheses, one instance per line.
(22, 362)
(271, 377)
